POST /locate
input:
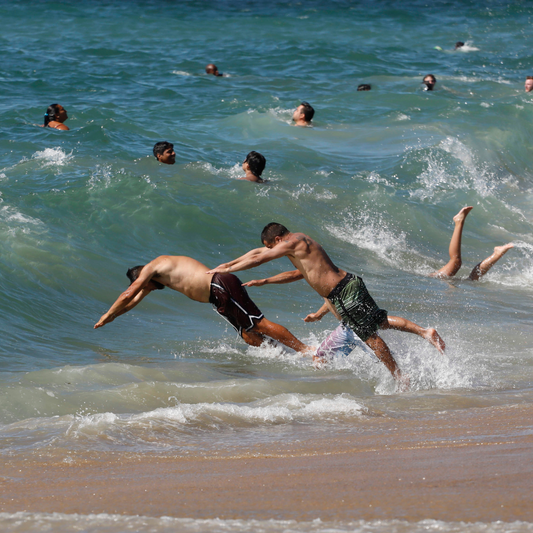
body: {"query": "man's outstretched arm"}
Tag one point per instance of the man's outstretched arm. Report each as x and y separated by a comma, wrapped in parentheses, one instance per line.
(284, 277)
(128, 299)
(254, 258)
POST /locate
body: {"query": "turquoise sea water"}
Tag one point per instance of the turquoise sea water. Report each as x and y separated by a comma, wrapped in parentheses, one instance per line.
(376, 181)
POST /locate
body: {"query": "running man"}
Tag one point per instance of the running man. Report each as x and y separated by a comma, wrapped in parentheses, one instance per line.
(345, 295)
(454, 264)
(224, 291)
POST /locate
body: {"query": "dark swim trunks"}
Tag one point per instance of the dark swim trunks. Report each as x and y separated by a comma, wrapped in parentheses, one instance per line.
(232, 302)
(356, 307)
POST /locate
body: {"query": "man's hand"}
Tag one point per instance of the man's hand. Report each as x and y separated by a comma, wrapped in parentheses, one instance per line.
(255, 283)
(313, 317)
(224, 268)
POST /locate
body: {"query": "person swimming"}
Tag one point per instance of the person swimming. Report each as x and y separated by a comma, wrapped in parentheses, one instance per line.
(55, 116)
(253, 165)
(429, 81)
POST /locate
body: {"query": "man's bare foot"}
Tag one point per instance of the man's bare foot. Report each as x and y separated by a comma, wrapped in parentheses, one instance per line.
(460, 217)
(500, 250)
(318, 362)
(434, 338)
(403, 381)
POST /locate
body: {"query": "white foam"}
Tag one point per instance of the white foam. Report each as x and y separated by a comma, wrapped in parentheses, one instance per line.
(53, 157)
(114, 523)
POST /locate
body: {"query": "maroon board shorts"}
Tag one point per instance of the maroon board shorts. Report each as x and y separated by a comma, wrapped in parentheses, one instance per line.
(232, 302)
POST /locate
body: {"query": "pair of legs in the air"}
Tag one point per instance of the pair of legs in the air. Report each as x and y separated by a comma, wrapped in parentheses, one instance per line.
(455, 262)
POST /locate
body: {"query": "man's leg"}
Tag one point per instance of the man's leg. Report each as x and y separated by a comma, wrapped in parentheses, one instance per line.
(454, 264)
(276, 332)
(482, 268)
(402, 324)
(380, 348)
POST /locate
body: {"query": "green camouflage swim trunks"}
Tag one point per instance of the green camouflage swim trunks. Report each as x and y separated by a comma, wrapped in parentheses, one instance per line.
(356, 307)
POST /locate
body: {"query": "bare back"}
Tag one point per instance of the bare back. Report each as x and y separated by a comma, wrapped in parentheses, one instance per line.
(183, 274)
(313, 262)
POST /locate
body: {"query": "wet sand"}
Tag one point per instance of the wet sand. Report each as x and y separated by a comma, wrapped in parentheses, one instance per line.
(472, 465)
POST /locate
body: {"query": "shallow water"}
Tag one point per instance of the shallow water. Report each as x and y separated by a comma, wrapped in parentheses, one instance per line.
(377, 181)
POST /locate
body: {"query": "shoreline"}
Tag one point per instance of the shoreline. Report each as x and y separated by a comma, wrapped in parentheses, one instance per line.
(474, 465)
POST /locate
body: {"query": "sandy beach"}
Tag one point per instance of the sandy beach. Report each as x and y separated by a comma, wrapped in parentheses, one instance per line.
(473, 465)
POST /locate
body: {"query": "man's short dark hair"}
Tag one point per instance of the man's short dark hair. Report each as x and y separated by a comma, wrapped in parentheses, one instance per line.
(529, 77)
(308, 111)
(257, 163)
(364, 87)
(133, 274)
(459, 44)
(271, 231)
(161, 147)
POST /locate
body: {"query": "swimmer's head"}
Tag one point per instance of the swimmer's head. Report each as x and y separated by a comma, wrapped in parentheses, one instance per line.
(133, 274)
(303, 113)
(212, 69)
(256, 163)
(364, 87)
(459, 44)
(529, 84)
(271, 231)
(55, 113)
(164, 152)
(430, 81)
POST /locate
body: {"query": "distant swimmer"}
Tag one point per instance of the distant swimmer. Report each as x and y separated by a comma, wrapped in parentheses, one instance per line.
(345, 295)
(429, 82)
(459, 44)
(364, 87)
(454, 264)
(54, 117)
(529, 84)
(164, 152)
(253, 165)
(212, 69)
(303, 114)
(224, 291)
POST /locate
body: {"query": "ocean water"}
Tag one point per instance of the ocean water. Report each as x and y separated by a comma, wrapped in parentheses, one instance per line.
(376, 181)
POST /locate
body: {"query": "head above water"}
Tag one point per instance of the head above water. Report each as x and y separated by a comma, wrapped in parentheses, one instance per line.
(459, 44)
(364, 87)
(256, 163)
(164, 152)
(271, 231)
(55, 113)
(430, 81)
(306, 110)
(212, 69)
(529, 84)
(133, 274)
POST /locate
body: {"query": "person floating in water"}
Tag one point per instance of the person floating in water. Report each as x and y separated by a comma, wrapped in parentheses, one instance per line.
(303, 114)
(364, 87)
(54, 117)
(454, 264)
(345, 295)
(164, 152)
(253, 165)
(224, 291)
(429, 81)
(212, 69)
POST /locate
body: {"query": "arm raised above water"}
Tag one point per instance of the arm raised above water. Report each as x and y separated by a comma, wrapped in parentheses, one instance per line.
(284, 277)
(254, 258)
